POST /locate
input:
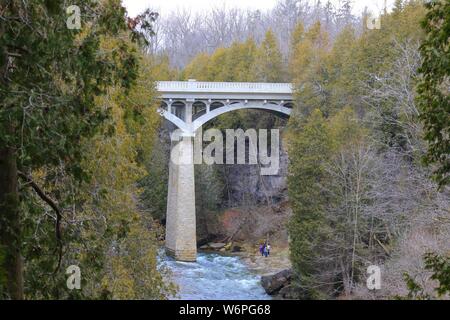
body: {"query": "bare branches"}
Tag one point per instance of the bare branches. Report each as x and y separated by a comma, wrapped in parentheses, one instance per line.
(396, 89)
(183, 34)
(55, 208)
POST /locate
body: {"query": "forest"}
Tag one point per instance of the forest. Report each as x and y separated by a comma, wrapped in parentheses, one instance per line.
(365, 154)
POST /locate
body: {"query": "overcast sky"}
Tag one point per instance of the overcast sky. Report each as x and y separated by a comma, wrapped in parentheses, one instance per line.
(134, 7)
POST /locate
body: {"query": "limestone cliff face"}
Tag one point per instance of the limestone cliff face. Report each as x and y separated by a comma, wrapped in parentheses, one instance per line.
(245, 186)
(251, 207)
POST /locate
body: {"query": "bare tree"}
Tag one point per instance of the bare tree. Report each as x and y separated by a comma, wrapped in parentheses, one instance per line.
(182, 34)
(396, 89)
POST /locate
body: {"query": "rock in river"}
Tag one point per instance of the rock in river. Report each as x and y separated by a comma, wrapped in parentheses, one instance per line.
(216, 246)
(273, 283)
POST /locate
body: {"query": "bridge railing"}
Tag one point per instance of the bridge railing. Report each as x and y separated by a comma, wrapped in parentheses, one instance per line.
(232, 87)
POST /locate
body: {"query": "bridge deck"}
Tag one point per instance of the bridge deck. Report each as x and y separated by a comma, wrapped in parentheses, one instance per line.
(224, 90)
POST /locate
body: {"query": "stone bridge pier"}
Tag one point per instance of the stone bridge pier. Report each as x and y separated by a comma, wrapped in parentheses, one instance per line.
(181, 242)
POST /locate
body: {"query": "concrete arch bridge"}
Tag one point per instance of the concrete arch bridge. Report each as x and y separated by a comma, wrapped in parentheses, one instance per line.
(189, 105)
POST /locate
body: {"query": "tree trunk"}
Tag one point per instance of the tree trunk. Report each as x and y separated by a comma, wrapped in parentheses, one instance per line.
(10, 223)
(10, 238)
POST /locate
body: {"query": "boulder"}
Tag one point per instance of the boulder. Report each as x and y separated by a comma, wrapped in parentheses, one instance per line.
(236, 249)
(273, 283)
(288, 292)
(204, 241)
(216, 246)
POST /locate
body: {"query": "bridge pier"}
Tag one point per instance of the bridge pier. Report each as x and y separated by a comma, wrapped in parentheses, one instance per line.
(181, 242)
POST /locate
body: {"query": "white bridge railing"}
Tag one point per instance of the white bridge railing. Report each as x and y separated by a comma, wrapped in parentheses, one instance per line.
(224, 87)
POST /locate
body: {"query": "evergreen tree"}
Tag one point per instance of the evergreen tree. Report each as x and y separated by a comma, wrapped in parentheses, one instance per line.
(198, 68)
(297, 37)
(217, 67)
(50, 78)
(269, 61)
(309, 147)
(434, 98)
(240, 61)
(340, 84)
(308, 67)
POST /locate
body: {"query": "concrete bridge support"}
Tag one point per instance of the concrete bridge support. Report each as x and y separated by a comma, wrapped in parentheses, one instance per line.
(181, 242)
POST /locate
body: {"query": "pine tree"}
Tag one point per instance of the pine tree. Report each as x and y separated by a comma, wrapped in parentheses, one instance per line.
(50, 77)
(308, 67)
(240, 61)
(198, 68)
(309, 147)
(297, 37)
(434, 98)
(217, 68)
(269, 61)
(341, 85)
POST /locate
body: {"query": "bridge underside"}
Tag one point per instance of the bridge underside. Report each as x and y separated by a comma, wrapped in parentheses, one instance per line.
(189, 116)
(190, 105)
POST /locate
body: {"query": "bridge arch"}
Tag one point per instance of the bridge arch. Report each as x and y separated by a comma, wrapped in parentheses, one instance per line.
(199, 122)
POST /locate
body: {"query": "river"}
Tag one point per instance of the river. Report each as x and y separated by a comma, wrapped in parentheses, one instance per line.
(215, 277)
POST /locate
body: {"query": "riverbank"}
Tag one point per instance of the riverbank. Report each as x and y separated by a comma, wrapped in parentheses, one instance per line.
(272, 270)
(243, 230)
(266, 269)
(277, 261)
